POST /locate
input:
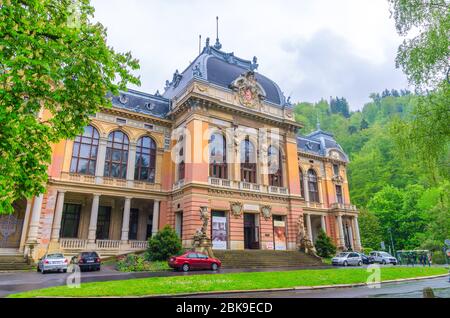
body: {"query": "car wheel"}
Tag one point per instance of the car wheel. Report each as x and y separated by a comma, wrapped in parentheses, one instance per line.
(345, 263)
(383, 262)
(98, 268)
(64, 271)
(359, 263)
(43, 271)
(214, 266)
(38, 269)
(185, 268)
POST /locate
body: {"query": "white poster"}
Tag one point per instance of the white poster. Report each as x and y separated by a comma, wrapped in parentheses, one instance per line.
(219, 232)
(279, 230)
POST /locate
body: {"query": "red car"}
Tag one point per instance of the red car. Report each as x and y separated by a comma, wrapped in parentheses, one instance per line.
(194, 260)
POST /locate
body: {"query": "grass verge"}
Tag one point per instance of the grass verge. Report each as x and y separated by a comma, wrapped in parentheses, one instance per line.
(228, 282)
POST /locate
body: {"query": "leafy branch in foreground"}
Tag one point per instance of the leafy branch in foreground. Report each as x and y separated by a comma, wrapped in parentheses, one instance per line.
(55, 70)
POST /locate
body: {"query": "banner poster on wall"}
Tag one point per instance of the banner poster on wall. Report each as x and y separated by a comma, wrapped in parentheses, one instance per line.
(219, 232)
(279, 233)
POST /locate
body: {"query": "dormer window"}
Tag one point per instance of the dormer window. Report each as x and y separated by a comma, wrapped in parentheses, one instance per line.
(336, 170)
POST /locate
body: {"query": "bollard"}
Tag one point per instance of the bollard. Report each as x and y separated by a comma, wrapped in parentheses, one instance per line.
(428, 293)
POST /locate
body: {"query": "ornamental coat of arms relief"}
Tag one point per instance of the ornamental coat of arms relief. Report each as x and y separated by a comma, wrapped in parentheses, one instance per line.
(249, 91)
(236, 208)
(266, 211)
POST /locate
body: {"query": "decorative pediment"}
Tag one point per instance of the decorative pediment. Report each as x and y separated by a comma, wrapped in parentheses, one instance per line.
(249, 91)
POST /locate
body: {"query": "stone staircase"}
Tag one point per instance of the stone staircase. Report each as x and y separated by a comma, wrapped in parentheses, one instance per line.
(12, 259)
(265, 259)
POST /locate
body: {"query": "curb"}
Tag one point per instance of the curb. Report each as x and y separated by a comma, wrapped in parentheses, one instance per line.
(299, 288)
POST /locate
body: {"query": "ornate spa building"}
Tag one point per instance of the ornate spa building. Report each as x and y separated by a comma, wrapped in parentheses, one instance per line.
(221, 137)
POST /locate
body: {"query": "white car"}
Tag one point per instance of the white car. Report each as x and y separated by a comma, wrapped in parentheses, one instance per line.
(55, 262)
(347, 258)
(383, 258)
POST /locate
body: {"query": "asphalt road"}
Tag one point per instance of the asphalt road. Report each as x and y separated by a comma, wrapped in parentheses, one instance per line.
(411, 289)
(15, 282)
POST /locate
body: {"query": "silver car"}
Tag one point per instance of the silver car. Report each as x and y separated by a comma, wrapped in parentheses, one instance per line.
(346, 259)
(55, 262)
(383, 258)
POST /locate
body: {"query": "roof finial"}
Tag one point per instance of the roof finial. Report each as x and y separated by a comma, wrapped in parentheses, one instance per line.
(217, 45)
(199, 43)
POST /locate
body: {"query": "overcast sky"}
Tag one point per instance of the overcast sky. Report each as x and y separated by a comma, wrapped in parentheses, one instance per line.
(312, 49)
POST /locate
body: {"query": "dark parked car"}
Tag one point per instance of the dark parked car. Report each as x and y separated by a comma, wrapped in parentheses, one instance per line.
(194, 260)
(87, 261)
(366, 259)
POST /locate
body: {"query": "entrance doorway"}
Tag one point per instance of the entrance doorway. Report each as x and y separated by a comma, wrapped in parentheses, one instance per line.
(251, 231)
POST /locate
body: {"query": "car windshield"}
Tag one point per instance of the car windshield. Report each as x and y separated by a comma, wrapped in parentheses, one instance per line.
(342, 254)
(385, 254)
(53, 256)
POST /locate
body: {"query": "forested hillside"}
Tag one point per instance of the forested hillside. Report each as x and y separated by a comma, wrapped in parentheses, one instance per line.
(396, 191)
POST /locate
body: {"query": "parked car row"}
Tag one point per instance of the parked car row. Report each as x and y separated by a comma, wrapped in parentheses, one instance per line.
(358, 259)
(56, 262)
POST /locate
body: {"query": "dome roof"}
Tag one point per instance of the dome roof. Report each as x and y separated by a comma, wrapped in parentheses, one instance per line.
(219, 68)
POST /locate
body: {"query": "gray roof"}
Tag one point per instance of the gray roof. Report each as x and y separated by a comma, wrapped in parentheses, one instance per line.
(220, 68)
(154, 105)
(319, 143)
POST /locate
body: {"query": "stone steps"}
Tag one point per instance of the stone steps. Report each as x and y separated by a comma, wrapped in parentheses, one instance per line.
(265, 259)
(11, 260)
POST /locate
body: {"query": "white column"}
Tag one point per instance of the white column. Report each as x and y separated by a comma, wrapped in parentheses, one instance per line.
(323, 224)
(357, 237)
(305, 188)
(35, 217)
(131, 163)
(93, 220)
(308, 225)
(26, 221)
(126, 219)
(350, 236)
(100, 164)
(155, 221)
(341, 231)
(57, 216)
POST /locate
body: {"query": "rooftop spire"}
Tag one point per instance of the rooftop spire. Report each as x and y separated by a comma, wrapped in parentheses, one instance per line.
(217, 45)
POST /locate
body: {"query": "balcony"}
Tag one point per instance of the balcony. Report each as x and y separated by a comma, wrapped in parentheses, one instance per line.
(74, 245)
(342, 206)
(246, 186)
(110, 182)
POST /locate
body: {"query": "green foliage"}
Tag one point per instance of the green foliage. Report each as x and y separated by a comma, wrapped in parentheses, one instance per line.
(54, 62)
(164, 244)
(324, 245)
(139, 263)
(395, 188)
(369, 225)
(424, 58)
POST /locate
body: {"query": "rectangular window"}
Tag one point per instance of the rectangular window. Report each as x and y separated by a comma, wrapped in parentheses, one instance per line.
(339, 197)
(336, 170)
(121, 121)
(148, 126)
(103, 222)
(70, 220)
(179, 224)
(279, 232)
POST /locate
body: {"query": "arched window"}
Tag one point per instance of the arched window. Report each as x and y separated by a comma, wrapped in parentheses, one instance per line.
(248, 162)
(116, 155)
(313, 187)
(181, 170)
(145, 159)
(84, 153)
(302, 186)
(275, 167)
(217, 157)
(181, 165)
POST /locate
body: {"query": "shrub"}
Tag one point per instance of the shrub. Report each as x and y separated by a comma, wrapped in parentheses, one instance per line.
(324, 246)
(438, 257)
(366, 250)
(138, 263)
(163, 244)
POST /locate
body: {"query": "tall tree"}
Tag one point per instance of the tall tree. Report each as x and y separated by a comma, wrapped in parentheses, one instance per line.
(53, 61)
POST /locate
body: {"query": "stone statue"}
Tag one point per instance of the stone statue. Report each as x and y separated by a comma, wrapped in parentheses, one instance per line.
(201, 241)
(304, 243)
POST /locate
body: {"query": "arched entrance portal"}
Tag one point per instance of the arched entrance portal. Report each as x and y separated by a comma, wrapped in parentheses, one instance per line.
(11, 226)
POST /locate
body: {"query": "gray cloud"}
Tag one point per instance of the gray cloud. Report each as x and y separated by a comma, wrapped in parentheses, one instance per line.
(326, 65)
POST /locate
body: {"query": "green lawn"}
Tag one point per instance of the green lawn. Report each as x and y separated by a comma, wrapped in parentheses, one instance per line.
(232, 281)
